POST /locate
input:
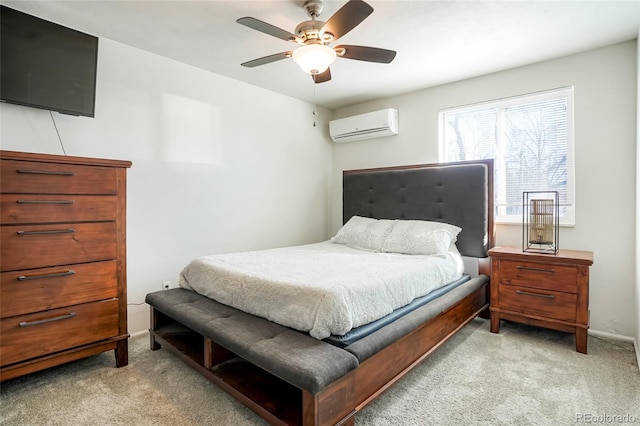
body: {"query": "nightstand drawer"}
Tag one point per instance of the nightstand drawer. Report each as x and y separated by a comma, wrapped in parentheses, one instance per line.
(44, 333)
(551, 304)
(539, 275)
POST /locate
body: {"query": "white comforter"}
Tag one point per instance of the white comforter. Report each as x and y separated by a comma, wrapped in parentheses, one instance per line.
(324, 288)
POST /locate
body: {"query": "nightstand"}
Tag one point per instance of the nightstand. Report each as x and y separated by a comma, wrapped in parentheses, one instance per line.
(544, 290)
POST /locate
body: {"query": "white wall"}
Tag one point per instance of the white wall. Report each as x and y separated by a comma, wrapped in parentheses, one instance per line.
(218, 165)
(605, 95)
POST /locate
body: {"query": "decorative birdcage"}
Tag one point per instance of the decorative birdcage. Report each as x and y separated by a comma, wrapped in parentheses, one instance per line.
(540, 221)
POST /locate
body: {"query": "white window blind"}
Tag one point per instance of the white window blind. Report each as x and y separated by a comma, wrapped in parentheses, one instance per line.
(530, 139)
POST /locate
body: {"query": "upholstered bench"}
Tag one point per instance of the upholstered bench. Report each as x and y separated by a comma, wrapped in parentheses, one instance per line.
(294, 357)
(288, 377)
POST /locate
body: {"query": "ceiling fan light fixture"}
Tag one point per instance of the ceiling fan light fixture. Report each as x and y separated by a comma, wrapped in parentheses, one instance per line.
(314, 58)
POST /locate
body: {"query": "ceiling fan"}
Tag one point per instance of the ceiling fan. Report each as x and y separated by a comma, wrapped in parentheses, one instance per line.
(314, 54)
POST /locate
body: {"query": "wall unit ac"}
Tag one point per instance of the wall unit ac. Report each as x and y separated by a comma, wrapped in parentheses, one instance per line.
(365, 126)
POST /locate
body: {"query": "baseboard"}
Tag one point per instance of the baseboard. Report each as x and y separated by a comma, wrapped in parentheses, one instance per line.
(637, 346)
(627, 339)
(606, 335)
(139, 333)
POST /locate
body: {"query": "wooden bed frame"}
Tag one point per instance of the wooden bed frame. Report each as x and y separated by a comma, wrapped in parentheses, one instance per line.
(281, 403)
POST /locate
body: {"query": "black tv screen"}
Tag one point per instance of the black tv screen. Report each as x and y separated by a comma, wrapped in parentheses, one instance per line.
(46, 65)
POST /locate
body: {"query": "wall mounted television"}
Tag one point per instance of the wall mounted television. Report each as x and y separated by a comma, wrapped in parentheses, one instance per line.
(46, 65)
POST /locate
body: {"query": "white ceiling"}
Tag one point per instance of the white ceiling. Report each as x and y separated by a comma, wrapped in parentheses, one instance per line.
(437, 41)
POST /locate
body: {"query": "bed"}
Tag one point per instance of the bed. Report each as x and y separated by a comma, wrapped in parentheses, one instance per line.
(297, 370)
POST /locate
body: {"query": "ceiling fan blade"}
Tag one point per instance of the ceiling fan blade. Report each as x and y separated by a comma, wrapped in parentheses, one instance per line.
(267, 59)
(364, 53)
(322, 77)
(266, 28)
(347, 18)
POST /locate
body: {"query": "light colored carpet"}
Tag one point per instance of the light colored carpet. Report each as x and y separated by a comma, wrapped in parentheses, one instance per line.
(522, 376)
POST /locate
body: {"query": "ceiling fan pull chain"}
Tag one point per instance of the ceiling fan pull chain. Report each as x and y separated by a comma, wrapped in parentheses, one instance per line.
(314, 100)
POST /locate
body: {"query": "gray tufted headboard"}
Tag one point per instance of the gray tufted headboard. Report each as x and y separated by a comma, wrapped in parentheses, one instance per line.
(458, 193)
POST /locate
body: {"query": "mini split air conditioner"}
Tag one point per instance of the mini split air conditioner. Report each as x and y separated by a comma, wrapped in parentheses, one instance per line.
(365, 126)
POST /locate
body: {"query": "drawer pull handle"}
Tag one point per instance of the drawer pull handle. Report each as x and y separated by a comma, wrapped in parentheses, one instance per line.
(45, 201)
(545, 296)
(44, 321)
(46, 172)
(52, 275)
(52, 231)
(528, 268)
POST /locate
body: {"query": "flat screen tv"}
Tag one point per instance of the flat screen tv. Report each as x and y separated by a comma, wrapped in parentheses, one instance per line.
(45, 65)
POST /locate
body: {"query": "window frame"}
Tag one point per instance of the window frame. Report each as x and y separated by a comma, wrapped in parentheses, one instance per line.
(568, 219)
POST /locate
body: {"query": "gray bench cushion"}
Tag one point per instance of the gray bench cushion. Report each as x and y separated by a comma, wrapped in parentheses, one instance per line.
(295, 357)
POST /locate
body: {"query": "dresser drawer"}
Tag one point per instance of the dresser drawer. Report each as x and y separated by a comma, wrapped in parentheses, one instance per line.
(33, 335)
(29, 208)
(35, 290)
(539, 275)
(39, 246)
(551, 304)
(26, 177)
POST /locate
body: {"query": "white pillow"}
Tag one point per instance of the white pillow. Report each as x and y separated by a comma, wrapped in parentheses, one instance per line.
(364, 233)
(421, 237)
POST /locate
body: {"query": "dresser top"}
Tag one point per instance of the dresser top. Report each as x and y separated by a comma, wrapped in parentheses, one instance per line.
(62, 159)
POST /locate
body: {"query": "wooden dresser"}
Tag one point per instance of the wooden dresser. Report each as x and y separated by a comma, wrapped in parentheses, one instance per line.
(63, 293)
(541, 289)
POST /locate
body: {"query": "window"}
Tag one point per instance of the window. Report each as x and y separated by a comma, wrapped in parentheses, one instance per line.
(530, 139)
